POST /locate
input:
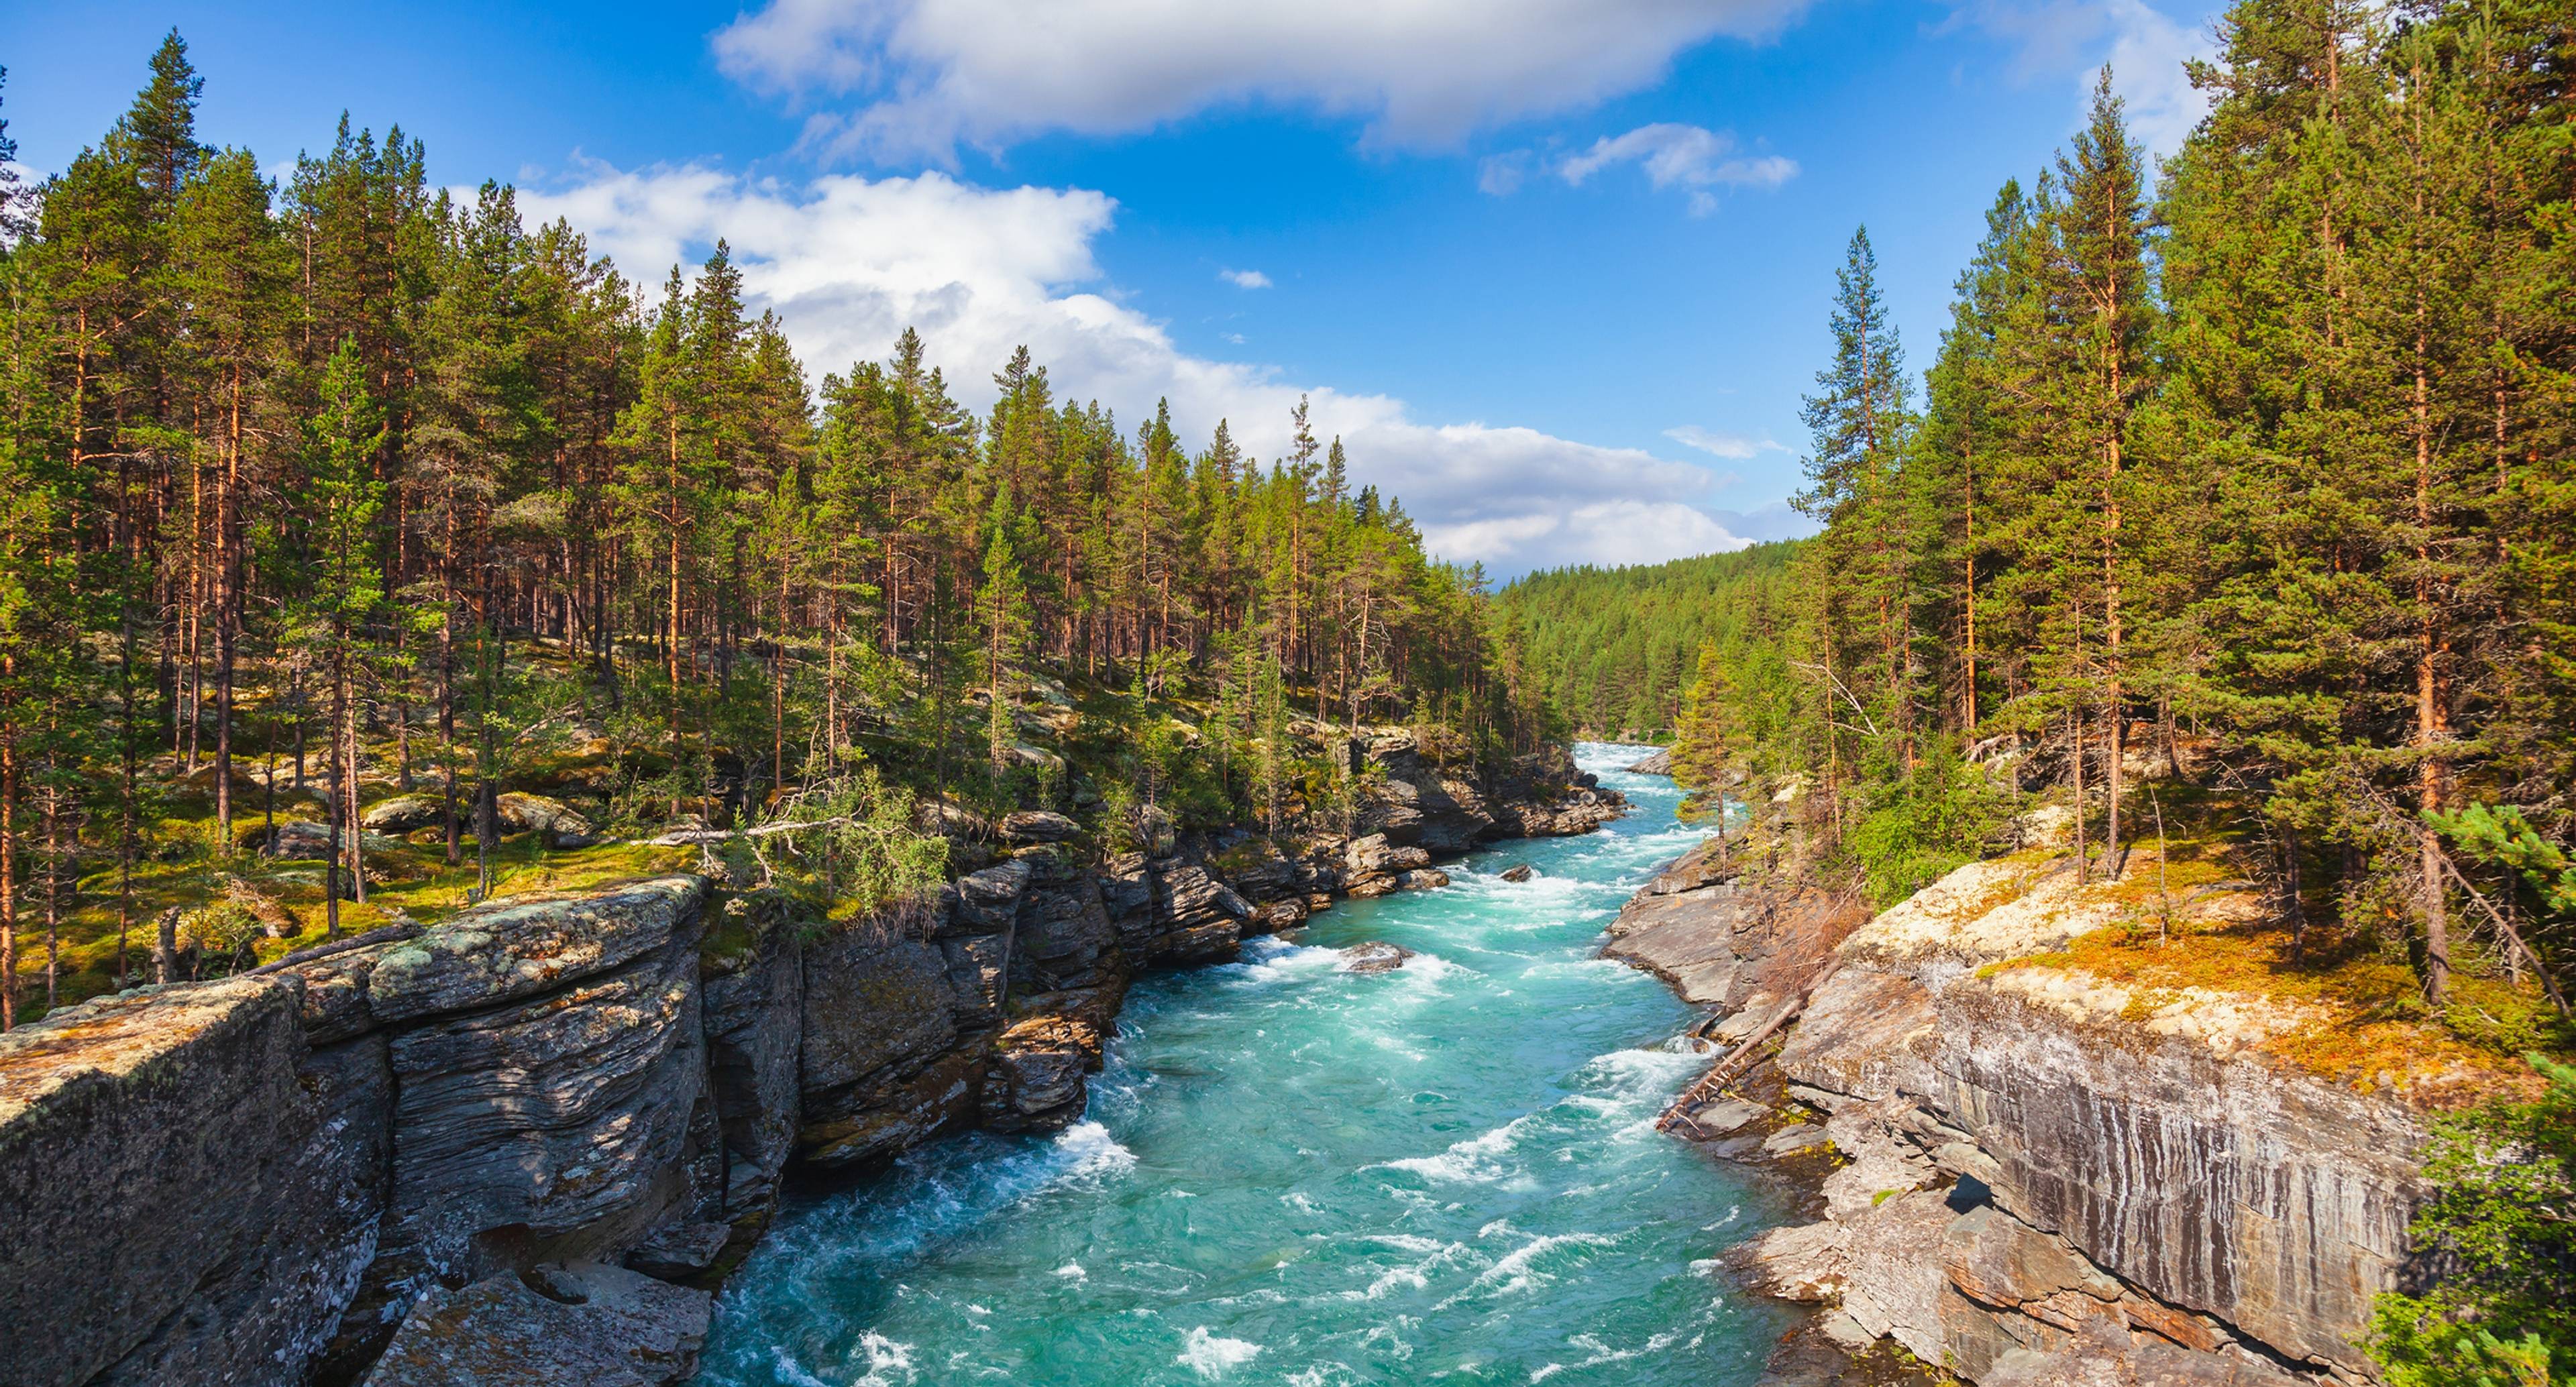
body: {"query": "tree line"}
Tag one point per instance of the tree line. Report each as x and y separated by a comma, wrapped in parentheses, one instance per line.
(2255, 466)
(317, 469)
(1616, 649)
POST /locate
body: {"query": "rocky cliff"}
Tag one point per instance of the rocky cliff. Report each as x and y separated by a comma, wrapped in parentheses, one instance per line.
(534, 1132)
(2040, 1176)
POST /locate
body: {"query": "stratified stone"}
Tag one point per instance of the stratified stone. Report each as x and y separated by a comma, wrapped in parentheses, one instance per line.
(584, 1323)
(1034, 1082)
(114, 1115)
(753, 979)
(879, 1066)
(1038, 826)
(515, 949)
(553, 1125)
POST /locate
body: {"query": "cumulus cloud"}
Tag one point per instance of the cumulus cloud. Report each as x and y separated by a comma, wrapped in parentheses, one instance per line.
(2056, 39)
(903, 78)
(849, 262)
(1734, 446)
(1245, 279)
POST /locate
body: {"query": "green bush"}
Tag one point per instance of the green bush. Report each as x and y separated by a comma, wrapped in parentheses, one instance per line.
(1922, 825)
(2502, 1224)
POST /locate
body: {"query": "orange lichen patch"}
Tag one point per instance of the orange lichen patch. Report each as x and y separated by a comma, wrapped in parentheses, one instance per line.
(2367, 1024)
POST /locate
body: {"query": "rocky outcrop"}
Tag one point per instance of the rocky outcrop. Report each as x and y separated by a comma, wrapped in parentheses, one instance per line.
(1658, 762)
(192, 1191)
(2042, 1176)
(583, 1322)
(1721, 941)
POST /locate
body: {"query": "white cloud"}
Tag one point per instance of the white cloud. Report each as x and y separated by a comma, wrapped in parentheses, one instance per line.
(1501, 174)
(1733, 446)
(1684, 156)
(849, 262)
(2071, 39)
(922, 76)
(1245, 279)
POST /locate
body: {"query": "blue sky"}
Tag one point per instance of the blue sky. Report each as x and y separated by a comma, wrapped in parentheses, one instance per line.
(1557, 268)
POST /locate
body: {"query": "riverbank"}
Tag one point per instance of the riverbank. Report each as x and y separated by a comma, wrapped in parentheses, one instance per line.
(2038, 1173)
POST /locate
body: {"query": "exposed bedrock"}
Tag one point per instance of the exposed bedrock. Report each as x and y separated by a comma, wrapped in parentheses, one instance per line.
(2044, 1178)
(532, 1136)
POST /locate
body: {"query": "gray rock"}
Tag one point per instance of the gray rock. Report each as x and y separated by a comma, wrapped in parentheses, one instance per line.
(1722, 944)
(879, 1067)
(1034, 1082)
(753, 981)
(680, 1249)
(582, 1323)
(988, 902)
(2102, 1355)
(1796, 1137)
(304, 838)
(1521, 872)
(557, 1124)
(1065, 939)
(2275, 1201)
(1374, 957)
(1038, 826)
(401, 814)
(1731, 1115)
(1659, 762)
(520, 813)
(513, 949)
(114, 1116)
(1893, 1284)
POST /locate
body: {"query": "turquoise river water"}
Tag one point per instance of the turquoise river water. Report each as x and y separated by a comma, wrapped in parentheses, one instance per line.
(1294, 1174)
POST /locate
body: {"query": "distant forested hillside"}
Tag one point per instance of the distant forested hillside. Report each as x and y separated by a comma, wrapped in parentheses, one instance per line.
(1616, 648)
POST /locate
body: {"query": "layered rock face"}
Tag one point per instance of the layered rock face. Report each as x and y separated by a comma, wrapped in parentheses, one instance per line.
(1722, 942)
(193, 1192)
(2045, 1177)
(527, 1137)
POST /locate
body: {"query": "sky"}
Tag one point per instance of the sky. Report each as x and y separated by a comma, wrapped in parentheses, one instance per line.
(1557, 271)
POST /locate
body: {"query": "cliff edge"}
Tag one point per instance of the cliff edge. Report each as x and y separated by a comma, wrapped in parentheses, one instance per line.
(2041, 1173)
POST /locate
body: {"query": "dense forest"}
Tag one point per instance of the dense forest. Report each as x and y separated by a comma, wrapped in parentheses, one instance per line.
(343, 479)
(2242, 483)
(1615, 649)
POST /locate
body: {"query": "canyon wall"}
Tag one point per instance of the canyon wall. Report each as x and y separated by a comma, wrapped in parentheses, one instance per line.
(539, 1131)
(2039, 1176)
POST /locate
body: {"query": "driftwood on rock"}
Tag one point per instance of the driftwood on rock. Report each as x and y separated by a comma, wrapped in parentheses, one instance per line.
(1724, 1072)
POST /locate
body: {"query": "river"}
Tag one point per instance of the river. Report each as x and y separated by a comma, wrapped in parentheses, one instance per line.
(1295, 1174)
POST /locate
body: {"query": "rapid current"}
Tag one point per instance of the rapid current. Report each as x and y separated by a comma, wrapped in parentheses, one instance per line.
(1295, 1174)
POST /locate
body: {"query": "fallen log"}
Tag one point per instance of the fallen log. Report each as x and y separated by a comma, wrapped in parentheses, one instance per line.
(1724, 1072)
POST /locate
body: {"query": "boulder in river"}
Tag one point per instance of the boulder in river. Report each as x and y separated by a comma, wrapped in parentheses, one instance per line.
(1659, 763)
(1374, 956)
(1521, 872)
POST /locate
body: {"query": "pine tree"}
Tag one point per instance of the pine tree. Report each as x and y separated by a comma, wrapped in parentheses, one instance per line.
(343, 498)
